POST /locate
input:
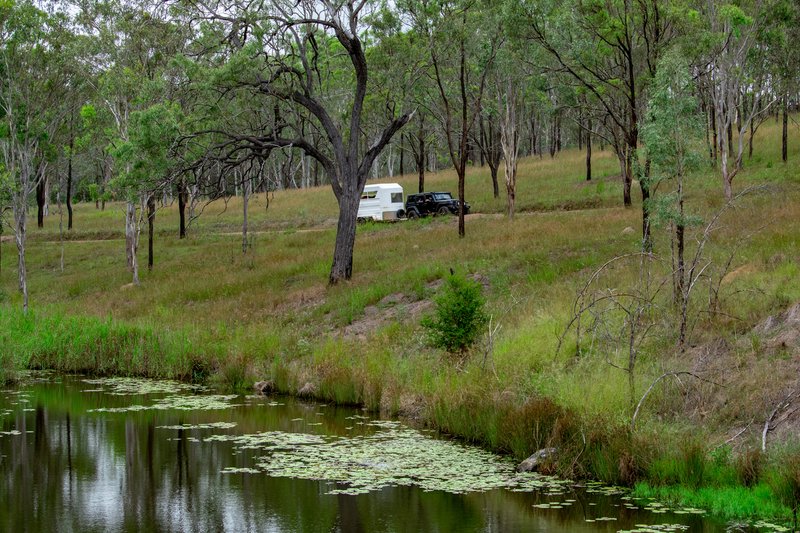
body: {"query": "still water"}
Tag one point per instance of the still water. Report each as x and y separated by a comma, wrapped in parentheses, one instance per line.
(86, 455)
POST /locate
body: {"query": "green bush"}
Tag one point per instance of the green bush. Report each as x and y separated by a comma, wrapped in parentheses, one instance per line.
(459, 316)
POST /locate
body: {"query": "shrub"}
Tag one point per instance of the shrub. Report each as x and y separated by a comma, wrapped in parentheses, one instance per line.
(459, 315)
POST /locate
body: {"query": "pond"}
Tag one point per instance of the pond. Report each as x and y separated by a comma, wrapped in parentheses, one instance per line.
(80, 454)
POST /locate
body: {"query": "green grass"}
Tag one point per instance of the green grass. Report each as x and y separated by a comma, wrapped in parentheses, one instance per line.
(731, 502)
(209, 312)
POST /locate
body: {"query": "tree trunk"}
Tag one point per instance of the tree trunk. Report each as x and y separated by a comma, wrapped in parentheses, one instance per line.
(730, 137)
(589, 151)
(785, 134)
(402, 154)
(69, 185)
(647, 242)
(461, 180)
(245, 202)
(60, 228)
(421, 155)
(20, 222)
(151, 221)
(493, 154)
(40, 200)
(130, 222)
(558, 133)
(342, 268)
(627, 178)
(183, 195)
(484, 140)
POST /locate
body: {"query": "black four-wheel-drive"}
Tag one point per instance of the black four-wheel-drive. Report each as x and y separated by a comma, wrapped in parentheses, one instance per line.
(432, 203)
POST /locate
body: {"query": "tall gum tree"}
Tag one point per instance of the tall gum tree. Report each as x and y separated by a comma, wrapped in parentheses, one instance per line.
(289, 51)
(463, 40)
(29, 111)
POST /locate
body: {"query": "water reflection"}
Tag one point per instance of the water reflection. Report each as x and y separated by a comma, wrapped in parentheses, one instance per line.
(74, 470)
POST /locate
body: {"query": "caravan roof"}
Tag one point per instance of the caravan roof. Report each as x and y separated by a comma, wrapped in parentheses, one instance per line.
(383, 186)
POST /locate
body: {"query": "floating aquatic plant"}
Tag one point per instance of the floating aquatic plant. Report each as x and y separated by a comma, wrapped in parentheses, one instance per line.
(656, 528)
(205, 402)
(210, 425)
(393, 456)
(135, 386)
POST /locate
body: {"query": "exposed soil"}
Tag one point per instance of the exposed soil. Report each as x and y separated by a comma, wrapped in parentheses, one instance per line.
(397, 307)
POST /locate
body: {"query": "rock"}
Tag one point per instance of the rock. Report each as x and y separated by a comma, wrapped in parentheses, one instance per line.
(264, 387)
(532, 463)
(628, 230)
(307, 390)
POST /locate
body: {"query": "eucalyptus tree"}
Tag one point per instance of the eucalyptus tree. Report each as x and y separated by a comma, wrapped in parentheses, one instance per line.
(30, 41)
(735, 67)
(289, 54)
(672, 135)
(132, 49)
(518, 86)
(611, 48)
(781, 42)
(463, 39)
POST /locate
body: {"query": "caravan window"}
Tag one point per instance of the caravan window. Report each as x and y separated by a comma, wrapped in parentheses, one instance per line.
(397, 198)
(368, 195)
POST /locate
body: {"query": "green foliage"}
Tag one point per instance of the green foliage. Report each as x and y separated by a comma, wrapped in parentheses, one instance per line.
(459, 316)
(784, 479)
(672, 134)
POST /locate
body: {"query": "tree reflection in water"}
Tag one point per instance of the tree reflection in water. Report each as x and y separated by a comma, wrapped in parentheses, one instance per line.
(81, 471)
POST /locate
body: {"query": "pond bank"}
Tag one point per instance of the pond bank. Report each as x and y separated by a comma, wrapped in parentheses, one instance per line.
(476, 411)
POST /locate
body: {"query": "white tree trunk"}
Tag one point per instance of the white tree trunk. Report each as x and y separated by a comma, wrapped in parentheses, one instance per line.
(132, 228)
(20, 228)
(509, 141)
(245, 199)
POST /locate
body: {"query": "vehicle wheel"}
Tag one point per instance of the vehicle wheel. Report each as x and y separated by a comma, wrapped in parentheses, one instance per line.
(400, 213)
(361, 220)
(444, 211)
(412, 215)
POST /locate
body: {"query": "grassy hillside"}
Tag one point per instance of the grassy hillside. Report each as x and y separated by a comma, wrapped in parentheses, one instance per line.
(208, 311)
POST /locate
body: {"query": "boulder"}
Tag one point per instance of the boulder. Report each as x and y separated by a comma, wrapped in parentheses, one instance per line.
(307, 390)
(264, 387)
(532, 463)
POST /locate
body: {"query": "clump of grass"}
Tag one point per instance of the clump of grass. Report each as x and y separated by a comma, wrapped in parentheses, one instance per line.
(731, 502)
(784, 480)
(93, 346)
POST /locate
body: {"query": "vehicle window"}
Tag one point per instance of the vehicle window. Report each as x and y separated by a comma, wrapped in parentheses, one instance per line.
(397, 198)
(368, 195)
(443, 196)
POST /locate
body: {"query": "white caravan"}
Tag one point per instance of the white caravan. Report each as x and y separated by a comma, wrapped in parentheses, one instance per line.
(381, 201)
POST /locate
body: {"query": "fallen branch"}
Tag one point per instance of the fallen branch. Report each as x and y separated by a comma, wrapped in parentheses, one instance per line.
(783, 404)
(736, 436)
